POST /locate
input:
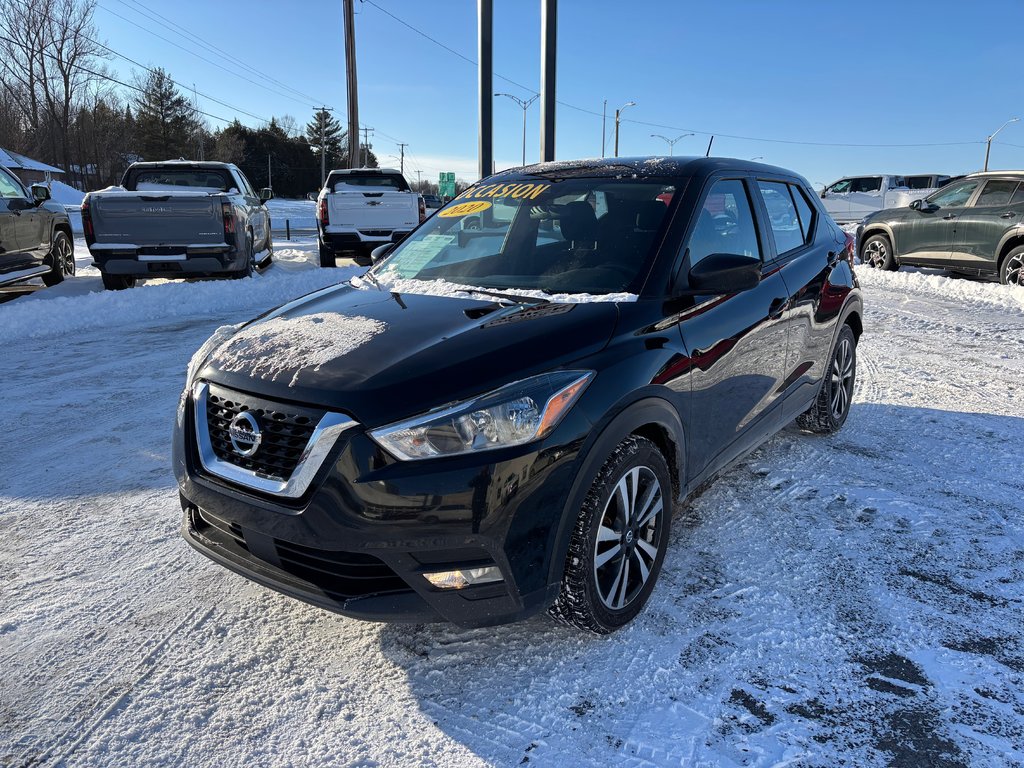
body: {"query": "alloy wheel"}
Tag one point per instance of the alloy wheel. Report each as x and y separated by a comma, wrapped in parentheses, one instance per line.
(1015, 270)
(65, 256)
(875, 253)
(842, 378)
(628, 537)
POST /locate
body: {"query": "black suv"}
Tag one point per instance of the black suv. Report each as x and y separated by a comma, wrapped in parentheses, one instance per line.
(35, 235)
(974, 225)
(500, 416)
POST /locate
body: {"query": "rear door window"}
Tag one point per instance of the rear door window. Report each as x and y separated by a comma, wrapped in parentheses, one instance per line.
(805, 210)
(375, 182)
(1018, 196)
(725, 223)
(996, 192)
(782, 215)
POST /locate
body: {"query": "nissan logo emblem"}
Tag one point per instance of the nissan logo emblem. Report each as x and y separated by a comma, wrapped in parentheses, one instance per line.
(244, 432)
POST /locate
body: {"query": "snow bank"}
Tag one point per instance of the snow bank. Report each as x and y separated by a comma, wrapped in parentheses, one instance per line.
(963, 290)
(161, 302)
(284, 345)
(444, 288)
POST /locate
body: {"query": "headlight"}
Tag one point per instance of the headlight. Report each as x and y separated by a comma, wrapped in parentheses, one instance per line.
(202, 354)
(513, 415)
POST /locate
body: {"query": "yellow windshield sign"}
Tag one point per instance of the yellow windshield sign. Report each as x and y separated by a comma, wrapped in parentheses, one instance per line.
(463, 209)
(525, 191)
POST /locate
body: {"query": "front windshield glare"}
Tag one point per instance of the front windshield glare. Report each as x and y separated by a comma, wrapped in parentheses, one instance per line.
(592, 236)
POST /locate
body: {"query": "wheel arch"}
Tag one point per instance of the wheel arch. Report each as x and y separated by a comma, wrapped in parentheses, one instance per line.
(653, 418)
(1010, 241)
(876, 229)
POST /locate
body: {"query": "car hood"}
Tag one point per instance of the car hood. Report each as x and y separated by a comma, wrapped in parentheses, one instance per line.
(381, 356)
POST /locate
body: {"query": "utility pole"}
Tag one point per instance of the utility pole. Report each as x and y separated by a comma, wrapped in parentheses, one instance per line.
(548, 51)
(419, 181)
(270, 180)
(401, 147)
(618, 112)
(353, 96)
(525, 106)
(366, 145)
(604, 122)
(485, 84)
(321, 119)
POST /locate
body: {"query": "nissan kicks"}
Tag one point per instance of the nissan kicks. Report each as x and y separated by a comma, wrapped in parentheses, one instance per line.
(499, 417)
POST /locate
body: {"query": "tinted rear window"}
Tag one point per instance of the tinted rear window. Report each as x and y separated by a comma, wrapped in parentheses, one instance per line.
(172, 179)
(348, 181)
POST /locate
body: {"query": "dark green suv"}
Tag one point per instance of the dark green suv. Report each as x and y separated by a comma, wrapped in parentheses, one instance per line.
(974, 225)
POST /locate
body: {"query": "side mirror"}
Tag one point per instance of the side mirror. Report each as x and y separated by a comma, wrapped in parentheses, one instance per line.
(378, 253)
(40, 193)
(724, 273)
(916, 205)
(266, 194)
(824, 193)
(923, 205)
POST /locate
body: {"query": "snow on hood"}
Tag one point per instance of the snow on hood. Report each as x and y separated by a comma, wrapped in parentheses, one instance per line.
(441, 287)
(283, 345)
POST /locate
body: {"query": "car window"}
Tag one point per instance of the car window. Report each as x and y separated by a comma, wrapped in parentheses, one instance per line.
(9, 186)
(804, 209)
(918, 182)
(782, 215)
(996, 192)
(954, 195)
(860, 184)
(180, 179)
(347, 182)
(725, 223)
(1018, 196)
(243, 184)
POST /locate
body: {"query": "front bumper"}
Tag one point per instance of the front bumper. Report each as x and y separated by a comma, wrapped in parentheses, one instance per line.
(169, 261)
(361, 539)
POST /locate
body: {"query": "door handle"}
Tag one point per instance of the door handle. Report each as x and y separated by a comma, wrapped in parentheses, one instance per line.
(776, 308)
(1008, 215)
(949, 216)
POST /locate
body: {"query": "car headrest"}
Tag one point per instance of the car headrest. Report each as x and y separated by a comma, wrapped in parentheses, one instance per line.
(650, 215)
(578, 222)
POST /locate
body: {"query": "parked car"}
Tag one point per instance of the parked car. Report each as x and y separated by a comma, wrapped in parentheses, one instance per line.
(178, 219)
(498, 420)
(432, 201)
(361, 208)
(974, 226)
(852, 198)
(35, 235)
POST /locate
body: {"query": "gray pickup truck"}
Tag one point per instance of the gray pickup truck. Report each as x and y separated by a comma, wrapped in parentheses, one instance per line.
(177, 219)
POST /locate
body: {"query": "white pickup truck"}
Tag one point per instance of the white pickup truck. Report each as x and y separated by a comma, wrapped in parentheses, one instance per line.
(852, 198)
(361, 208)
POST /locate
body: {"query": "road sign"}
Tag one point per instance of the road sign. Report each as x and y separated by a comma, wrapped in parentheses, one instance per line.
(446, 185)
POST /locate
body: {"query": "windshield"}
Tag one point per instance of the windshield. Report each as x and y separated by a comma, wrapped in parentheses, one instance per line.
(576, 236)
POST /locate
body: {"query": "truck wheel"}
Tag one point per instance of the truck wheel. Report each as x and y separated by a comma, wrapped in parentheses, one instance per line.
(619, 541)
(62, 260)
(327, 257)
(877, 253)
(117, 282)
(1012, 272)
(247, 270)
(269, 248)
(830, 408)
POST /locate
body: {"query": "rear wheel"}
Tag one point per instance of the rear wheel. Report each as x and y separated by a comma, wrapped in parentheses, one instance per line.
(877, 253)
(1012, 271)
(831, 407)
(327, 256)
(269, 248)
(619, 541)
(118, 282)
(61, 258)
(250, 261)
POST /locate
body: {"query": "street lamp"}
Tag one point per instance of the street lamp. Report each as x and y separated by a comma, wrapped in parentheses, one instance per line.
(988, 142)
(525, 105)
(759, 157)
(671, 142)
(617, 113)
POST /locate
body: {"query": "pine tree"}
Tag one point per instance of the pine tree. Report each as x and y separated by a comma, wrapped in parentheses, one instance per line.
(332, 140)
(164, 120)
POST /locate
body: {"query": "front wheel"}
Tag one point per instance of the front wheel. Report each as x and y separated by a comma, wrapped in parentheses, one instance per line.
(832, 405)
(1012, 271)
(877, 253)
(619, 541)
(61, 258)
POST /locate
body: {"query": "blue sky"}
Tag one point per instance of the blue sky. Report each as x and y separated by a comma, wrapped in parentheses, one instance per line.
(813, 72)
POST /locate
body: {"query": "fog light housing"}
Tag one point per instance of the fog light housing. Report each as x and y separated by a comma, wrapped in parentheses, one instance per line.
(464, 577)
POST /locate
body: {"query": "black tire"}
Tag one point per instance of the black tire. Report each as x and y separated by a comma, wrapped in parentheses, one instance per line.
(877, 252)
(250, 262)
(117, 282)
(830, 408)
(327, 255)
(61, 258)
(1012, 270)
(268, 246)
(592, 597)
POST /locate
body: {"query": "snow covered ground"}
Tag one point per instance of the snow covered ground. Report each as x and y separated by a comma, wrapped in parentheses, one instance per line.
(853, 600)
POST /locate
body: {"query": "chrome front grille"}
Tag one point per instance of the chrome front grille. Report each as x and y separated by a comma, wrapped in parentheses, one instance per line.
(294, 440)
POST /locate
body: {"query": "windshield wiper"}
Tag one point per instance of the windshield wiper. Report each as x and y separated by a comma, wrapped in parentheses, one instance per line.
(517, 298)
(373, 279)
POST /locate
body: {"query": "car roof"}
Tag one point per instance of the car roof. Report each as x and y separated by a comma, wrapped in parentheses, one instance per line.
(640, 167)
(365, 170)
(204, 164)
(988, 174)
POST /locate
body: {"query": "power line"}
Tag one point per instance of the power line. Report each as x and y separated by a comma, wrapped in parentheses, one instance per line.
(584, 110)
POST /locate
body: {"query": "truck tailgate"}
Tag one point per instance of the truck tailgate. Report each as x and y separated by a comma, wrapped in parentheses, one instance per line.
(374, 210)
(157, 219)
